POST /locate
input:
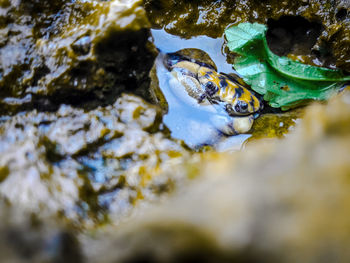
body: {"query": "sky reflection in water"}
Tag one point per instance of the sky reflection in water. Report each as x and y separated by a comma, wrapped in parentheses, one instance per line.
(190, 122)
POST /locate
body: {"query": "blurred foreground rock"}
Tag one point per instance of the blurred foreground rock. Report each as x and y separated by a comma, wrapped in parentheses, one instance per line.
(23, 238)
(284, 201)
(86, 167)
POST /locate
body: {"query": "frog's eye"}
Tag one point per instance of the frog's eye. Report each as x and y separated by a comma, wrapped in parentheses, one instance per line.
(241, 107)
(211, 88)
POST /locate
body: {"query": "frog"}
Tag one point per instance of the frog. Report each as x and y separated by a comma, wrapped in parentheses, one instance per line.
(235, 104)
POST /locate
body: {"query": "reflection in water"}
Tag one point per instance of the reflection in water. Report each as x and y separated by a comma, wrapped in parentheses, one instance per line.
(196, 124)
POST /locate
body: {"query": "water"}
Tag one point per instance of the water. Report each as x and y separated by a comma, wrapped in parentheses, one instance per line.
(196, 125)
(213, 46)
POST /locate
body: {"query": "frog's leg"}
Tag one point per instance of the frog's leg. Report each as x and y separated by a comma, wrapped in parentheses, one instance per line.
(232, 125)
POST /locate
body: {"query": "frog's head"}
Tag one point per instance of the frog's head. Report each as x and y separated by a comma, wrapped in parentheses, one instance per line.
(225, 91)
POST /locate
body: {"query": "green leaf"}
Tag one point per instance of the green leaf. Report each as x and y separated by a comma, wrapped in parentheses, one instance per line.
(283, 82)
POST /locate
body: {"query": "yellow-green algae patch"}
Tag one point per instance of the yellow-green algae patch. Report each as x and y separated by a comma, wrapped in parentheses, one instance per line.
(275, 125)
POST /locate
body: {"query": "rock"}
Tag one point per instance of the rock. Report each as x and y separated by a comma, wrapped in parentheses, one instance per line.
(86, 166)
(284, 200)
(79, 53)
(23, 238)
(76, 154)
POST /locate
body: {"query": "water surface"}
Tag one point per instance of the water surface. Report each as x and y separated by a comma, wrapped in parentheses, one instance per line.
(185, 119)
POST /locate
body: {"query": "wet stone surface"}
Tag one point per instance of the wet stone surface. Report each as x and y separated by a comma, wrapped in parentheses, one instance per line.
(86, 166)
(83, 53)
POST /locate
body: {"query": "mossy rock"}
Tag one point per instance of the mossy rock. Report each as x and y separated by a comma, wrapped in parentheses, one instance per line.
(102, 51)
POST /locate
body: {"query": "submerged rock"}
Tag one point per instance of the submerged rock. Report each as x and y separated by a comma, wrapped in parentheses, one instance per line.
(284, 200)
(74, 52)
(86, 166)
